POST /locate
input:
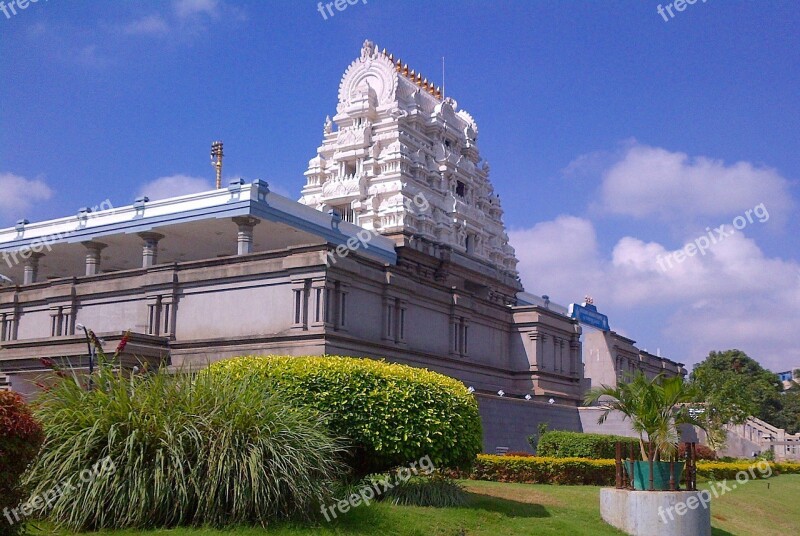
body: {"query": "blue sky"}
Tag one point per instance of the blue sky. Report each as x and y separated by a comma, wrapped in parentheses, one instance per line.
(614, 137)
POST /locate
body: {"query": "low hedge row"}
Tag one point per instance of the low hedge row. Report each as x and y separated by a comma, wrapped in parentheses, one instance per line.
(543, 470)
(561, 444)
(586, 471)
(729, 470)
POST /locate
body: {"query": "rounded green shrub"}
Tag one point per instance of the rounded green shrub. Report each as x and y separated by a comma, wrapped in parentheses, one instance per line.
(20, 438)
(163, 450)
(393, 414)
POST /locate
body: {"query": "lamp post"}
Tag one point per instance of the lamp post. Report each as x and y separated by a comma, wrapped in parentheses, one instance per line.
(91, 352)
(216, 161)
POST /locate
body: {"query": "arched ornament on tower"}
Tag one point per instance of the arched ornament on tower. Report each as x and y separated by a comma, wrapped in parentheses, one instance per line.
(372, 70)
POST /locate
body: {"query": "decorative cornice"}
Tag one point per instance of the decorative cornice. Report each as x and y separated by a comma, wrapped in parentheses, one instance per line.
(410, 74)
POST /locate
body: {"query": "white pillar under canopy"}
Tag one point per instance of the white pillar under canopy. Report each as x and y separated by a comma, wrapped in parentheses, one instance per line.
(31, 272)
(150, 248)
(93, 252)
(244, 237)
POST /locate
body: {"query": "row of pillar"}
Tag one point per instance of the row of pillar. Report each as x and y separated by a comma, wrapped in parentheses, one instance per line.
(94, 250)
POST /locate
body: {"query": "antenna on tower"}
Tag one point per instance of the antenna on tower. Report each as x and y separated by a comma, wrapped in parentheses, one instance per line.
(216, 161)
(442, 77)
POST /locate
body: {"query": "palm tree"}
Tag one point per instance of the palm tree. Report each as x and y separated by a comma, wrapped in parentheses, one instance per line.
(655, 407)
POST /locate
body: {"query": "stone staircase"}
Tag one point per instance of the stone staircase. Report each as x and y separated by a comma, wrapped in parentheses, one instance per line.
(5, 382)
(758, 436)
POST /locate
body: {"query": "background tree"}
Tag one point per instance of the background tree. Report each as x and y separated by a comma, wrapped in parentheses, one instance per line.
(789, 416)
(735, 386)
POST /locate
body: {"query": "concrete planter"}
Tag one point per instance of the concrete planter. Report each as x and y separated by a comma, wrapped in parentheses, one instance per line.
(662, 513)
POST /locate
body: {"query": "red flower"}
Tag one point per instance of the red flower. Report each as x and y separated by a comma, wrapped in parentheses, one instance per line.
(122, 343)
(47, 362)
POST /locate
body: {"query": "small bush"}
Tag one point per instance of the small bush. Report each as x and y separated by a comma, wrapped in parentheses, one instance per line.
(579, 445)
(768, 455)
(185, 451)
(703, 452)
(436, 491)
(393, 414)
(20, 438)
(533, 439)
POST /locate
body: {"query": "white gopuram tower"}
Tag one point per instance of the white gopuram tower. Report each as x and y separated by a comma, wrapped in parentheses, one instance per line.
(401, 160)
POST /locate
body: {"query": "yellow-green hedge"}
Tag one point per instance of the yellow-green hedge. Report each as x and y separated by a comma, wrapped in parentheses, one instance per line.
(729, 470)
(585, 471)
(393, 414)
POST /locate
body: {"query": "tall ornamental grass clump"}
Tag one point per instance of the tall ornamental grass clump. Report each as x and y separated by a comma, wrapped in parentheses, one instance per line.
(179, 450)
(392, 414)
(434, 491)
(20, 437)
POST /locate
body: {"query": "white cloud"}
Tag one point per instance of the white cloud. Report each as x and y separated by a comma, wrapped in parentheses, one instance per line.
(19, 194)
(765, 328)
(189, 8)
(90, 56)
(174, 186)
(149, 25)
(558, 258)
(37, 29)
(592, 165)
(186, 21)
(672, 186)
(734, 296)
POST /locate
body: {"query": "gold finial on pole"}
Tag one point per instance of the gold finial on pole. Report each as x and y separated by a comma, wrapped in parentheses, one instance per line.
(216, 161)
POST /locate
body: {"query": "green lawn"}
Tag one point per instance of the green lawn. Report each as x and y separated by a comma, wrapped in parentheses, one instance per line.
(759, 507)
(756, 508)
